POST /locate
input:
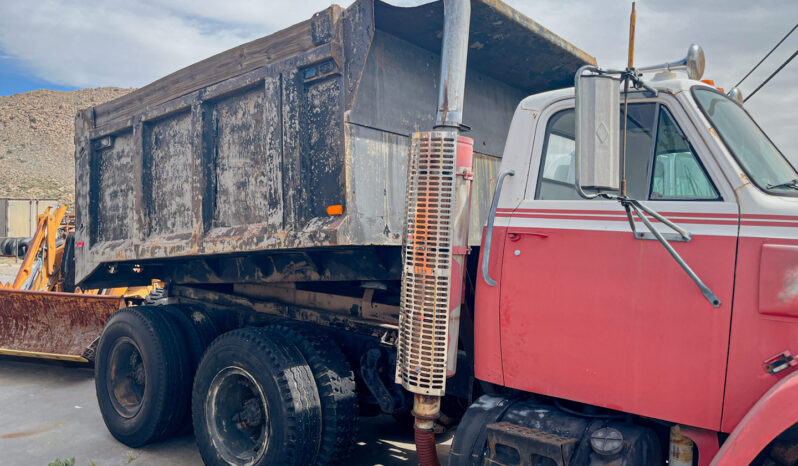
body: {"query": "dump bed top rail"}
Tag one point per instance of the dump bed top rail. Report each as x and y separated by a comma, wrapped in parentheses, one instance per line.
(505, 44)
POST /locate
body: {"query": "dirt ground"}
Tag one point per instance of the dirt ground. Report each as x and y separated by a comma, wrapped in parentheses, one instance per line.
(50, 411)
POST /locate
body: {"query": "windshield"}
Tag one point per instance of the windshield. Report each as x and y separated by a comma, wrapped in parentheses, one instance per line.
(760, 159)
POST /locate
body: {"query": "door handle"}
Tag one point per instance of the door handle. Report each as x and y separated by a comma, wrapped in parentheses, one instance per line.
(516, 235)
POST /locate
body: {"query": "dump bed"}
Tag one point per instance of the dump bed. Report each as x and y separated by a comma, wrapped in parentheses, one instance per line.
(247, 150)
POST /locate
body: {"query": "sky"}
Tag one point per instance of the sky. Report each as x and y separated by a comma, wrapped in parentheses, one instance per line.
(71, 44)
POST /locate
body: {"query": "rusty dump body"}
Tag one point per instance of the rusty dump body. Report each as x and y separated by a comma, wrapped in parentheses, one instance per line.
(223, 172)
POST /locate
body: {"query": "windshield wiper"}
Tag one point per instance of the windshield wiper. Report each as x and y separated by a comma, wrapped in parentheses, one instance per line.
(787, 184)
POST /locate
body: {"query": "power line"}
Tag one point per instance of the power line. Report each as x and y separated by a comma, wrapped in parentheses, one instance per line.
(766, 56)
(774, 74)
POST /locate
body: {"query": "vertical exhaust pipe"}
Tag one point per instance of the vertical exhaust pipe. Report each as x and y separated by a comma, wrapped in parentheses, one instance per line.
(438, 200)
(454, 56)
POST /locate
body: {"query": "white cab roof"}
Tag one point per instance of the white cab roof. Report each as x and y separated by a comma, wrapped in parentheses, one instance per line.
(538, 102)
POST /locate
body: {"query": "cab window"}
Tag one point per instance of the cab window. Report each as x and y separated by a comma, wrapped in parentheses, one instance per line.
(660, 163)
(557, 176)
(678, 174)
(758, 156)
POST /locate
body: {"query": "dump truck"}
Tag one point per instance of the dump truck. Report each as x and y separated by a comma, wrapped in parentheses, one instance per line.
(577, 273)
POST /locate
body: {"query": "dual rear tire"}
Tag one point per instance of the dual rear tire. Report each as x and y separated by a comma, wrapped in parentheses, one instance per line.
(142, 376)
(275, 395)
(254, 402)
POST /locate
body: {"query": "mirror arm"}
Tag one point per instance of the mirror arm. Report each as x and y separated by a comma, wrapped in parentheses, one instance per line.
(682, 232)
(638, 209)
(645, 86)
(629, 217)
(634, 75)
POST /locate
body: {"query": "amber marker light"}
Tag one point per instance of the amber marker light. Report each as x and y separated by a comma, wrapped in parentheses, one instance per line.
(336, 209)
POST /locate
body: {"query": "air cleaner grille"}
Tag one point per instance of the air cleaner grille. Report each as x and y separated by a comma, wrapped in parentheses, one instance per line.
(427, 259)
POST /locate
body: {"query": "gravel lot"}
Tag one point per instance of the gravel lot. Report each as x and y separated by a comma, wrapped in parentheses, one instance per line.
(50, 411)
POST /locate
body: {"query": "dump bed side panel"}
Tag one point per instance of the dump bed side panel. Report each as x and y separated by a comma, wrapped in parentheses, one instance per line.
(247, 164)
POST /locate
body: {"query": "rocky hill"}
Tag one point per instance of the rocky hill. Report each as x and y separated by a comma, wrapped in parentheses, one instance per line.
(37, 149)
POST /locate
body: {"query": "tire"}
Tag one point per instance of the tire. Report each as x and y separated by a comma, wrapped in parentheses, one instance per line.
(198, 332)
(193, 344)
(470, 440)
(68, 264)
(197, 328)
(337, 392)
(142, 376)
(255, 402)
(204, 326)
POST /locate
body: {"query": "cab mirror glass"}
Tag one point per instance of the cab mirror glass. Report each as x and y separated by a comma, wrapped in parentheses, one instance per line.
(597, 132)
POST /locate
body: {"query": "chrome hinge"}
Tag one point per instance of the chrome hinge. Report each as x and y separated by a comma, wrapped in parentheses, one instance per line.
(780, 362)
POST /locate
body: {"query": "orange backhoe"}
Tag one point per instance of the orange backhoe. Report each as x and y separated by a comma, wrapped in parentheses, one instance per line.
(42, 315)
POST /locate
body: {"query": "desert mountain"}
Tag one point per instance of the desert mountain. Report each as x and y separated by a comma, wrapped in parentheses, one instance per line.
(37, 150)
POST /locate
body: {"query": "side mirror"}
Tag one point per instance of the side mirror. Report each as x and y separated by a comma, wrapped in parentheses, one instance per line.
(598, 115)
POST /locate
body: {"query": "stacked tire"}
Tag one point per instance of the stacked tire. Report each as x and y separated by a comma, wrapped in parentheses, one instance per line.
(283, 394)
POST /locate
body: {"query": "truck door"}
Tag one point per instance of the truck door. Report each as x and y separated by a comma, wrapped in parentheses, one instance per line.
(592, 314)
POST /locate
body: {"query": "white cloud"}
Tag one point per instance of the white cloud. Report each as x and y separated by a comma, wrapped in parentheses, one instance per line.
(96, 43)
(734, 40)
(735, 35)
(126, 43)
(272, 14)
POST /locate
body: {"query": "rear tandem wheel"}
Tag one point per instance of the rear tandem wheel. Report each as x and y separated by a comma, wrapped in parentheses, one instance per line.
(337, 390)
(255, 402)
(142, 376)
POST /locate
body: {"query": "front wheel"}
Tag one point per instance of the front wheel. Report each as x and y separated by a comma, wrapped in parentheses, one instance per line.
(255, 402)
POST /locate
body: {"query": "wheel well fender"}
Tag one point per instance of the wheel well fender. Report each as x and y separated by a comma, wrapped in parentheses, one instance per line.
(775, 412)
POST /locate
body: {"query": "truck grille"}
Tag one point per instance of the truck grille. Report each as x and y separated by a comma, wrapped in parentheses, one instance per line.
(427, 258)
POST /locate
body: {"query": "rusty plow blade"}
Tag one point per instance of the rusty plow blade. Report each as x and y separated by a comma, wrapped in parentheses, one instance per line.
(52, 325)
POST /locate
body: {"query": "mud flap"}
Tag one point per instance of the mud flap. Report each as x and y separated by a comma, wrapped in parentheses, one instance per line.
(52, 325)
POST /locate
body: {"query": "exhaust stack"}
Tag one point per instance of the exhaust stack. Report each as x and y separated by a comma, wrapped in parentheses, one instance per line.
(435, 245)
(454, 56)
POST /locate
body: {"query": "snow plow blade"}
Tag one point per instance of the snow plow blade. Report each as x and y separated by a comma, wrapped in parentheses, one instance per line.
(50, 325)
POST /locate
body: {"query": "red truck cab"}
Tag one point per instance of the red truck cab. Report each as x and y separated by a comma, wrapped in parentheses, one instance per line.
(586, 311)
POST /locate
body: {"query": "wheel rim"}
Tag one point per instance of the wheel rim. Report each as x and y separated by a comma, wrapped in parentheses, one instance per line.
(126, 378)
(237, 416)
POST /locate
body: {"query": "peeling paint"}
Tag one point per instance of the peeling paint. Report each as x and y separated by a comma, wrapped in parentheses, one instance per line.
(790, 286)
